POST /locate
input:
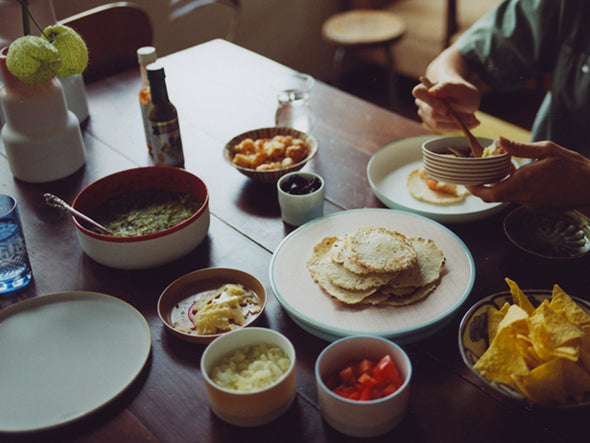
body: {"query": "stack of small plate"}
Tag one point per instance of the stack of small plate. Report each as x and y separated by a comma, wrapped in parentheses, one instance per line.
(443, 166)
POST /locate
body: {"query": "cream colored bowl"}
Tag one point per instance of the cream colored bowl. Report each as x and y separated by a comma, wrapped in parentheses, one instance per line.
(255, 408)
(143, 251)
(362, 418)
(443, 166)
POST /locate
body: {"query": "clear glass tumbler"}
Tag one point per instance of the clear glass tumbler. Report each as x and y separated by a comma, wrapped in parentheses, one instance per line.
(293, 101)
(15, 269)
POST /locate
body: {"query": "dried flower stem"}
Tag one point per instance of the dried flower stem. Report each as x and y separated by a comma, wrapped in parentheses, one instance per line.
(24, 4)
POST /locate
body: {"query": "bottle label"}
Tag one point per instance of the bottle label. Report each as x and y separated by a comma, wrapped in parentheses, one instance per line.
(166, 143)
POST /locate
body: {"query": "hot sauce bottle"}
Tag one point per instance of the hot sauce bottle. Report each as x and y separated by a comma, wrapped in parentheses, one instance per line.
(163, 119)
(145, 56)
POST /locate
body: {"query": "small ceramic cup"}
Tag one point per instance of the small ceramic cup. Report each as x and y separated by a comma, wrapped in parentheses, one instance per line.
(356, 418)
(298, 209)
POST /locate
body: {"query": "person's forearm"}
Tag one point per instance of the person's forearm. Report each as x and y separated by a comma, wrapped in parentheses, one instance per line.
(451, 66)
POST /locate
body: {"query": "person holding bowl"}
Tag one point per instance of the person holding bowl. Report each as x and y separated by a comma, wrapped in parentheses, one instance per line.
(519, 40)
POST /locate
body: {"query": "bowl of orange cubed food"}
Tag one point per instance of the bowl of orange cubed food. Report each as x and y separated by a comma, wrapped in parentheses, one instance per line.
(266, 154)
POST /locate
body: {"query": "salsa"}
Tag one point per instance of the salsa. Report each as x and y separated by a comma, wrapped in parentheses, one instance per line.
(144, 212)
(366, 379)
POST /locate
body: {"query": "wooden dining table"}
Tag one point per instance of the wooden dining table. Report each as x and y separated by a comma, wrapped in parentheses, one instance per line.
(221, 90)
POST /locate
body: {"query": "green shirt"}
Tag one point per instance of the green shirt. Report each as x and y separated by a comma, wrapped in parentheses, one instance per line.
(522, 39)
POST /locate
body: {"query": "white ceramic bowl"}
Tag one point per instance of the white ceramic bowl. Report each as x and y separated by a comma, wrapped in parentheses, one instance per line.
(441, 166)
(176, 299)
(256, 408)
(362, 418)
(143, 251)
(297, 209)
(273, 175)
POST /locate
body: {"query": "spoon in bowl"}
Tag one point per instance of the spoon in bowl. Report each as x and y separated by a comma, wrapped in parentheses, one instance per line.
(476, 148)
(57, 202)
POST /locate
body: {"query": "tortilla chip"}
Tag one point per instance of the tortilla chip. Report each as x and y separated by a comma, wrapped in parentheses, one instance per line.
(519, 298)
(494, 317)
(502, 360)
(560, 331)
(564, 305)
(544, 384)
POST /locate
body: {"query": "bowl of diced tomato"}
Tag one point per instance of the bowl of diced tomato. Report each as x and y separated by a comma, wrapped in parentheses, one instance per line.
(363, 385)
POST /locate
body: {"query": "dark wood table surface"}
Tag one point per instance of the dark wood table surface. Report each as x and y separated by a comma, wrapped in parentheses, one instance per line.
(221, 90)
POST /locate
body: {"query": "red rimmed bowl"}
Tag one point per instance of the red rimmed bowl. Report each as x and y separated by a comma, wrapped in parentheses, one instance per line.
(150, 250)
(270, 176)
(441, 165)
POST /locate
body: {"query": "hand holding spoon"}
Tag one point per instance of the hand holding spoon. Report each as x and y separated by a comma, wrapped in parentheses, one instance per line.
(57, 202)
(476, 148)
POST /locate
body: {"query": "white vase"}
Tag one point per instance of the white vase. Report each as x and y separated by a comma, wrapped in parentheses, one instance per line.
(41, 135)
(11, 28)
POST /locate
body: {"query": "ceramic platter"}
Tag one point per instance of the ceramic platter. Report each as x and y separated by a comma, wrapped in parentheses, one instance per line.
(387, 173)
(316, 312)
(64, 355)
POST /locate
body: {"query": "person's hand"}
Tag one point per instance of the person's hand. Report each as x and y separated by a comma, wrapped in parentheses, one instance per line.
(463, 97)
(557, 177)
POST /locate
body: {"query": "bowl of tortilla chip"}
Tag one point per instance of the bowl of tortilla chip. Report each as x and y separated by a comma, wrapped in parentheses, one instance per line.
(531, 346)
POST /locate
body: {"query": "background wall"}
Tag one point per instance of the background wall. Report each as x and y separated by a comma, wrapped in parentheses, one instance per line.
(288, 31)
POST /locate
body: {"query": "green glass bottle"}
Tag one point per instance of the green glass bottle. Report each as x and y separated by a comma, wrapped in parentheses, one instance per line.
(163, 118)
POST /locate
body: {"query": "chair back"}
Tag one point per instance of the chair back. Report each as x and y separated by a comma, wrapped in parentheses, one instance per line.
(113, 32)
(191, 5)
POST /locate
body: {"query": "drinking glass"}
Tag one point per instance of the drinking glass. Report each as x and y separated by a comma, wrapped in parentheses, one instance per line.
(15, 269)
(293, 101)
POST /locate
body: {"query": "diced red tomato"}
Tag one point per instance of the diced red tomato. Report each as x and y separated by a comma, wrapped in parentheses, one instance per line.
(365, 394)
(366, 379)
(385, 370)
(347, 376)
(390, 389)
(365, 365)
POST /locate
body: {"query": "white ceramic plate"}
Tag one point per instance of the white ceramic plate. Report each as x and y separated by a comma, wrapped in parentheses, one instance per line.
(321, 315)
(388, 170)
(65, 355)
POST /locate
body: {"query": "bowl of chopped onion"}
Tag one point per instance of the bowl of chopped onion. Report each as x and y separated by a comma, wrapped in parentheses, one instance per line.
(249, 376)
(266, 154)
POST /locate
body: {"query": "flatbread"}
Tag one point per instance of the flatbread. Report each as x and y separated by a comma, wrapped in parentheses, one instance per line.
(418, 189)
(381, 250)
(418, 265)
(316, 265)
(429, 262)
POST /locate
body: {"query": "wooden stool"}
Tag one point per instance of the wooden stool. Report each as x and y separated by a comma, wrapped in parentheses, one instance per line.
(364, 28)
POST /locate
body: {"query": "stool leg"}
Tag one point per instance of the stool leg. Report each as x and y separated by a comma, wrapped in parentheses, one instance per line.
(338, 65)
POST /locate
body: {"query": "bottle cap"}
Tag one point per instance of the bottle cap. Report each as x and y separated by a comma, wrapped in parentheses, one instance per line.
(146, 54)
(155, 71)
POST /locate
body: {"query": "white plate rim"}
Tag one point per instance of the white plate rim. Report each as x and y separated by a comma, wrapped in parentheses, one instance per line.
(137, 330)
(443, 214)
(328, 332)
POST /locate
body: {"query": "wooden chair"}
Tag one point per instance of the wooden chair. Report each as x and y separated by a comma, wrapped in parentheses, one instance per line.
(235, 5)
(113, 32)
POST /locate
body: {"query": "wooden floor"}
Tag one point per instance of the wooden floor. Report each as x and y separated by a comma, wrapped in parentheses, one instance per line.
(370, 82)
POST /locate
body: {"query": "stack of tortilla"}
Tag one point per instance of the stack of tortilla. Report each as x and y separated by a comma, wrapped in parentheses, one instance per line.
(376, 265)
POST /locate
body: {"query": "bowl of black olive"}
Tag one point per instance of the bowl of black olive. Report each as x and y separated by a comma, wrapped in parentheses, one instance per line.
(153, 215)
(301, 197)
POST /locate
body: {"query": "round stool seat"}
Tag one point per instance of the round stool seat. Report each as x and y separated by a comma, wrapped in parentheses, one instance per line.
(363, 27)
